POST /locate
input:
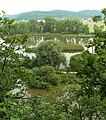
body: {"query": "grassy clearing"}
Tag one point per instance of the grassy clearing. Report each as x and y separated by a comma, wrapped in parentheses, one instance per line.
(55, 91)
(50, 94)
(72, 48)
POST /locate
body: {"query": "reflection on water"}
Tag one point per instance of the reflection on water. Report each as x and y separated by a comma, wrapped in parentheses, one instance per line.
(35, 40)
(68, 55)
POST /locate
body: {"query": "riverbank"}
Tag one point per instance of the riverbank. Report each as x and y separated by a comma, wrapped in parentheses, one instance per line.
(63, 35)
(65, 48)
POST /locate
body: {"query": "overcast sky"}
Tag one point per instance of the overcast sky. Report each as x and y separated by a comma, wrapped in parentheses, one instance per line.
(19, 6)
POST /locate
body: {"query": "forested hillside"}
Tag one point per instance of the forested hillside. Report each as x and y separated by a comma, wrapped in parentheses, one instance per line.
(55, 13)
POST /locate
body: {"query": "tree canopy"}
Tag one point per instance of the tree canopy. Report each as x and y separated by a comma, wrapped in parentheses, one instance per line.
(49, 53)
(91, 68)
(50, 25)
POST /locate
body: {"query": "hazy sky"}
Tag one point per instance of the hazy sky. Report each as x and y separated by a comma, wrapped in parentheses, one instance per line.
(19, 6)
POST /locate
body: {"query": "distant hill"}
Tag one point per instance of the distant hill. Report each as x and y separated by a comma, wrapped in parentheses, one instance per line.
(55, 14)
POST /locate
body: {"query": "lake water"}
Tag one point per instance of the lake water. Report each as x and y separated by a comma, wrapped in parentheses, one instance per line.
(34, 41)
(81, 40)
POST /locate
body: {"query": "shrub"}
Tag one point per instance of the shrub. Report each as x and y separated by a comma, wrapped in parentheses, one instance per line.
(43, 77)
(53, 79)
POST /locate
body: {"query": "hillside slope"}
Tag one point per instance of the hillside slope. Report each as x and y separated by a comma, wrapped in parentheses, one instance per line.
(55, 14)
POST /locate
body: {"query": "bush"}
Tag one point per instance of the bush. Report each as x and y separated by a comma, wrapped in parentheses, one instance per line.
(43, 77)
(43, 70)
(53, 79)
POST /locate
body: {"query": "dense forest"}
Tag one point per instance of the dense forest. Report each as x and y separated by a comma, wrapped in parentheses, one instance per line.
(49, 25)
(83, 96)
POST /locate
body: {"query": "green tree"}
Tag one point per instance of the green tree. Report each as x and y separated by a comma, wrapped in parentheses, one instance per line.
(96, 18)
(49, 25)
(41, 24)
(49, 53)
(104, 13)
(41, 77)
(91, 68)
(20, 27)
(98, 29)
(34, 26)
(9, 70)
(71, 26)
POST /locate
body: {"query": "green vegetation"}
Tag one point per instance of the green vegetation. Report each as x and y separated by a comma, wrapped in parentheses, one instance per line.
(43, 77)
(65, 48)
(84, 93)
(49, 53)
(72, 48)
(10, 70)
(91, 25)
(49, 25)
